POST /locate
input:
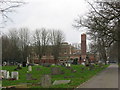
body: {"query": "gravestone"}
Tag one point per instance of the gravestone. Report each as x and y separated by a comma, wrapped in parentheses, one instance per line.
(53, 65)
(14, 75)
(55, 71)
(83, 63)
(28, 76)
(8, 75)
(66, 64)
(29, 68)
(20, 65)
(69, 65)
(57, 82)
(46, 81)
(4, 74)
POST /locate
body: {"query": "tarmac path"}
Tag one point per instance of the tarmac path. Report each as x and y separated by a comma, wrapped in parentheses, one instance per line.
(108, 78)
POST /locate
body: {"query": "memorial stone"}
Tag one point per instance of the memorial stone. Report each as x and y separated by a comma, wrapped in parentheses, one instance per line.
(29, 76)
(14, 75)
(4, 73)
(57, 82)
(8, 74)
(46, 81)
(29, 68)
(55, 71)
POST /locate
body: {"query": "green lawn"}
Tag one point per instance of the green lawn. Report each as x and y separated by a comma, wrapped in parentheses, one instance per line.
(77, 77)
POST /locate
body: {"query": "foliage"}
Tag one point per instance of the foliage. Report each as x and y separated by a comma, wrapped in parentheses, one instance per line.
(102, 22)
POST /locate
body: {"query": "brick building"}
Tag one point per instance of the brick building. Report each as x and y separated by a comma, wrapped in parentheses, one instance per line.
(67, 52)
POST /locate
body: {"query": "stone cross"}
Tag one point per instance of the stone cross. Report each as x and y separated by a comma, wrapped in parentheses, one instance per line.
(46, 81)
(15, 75)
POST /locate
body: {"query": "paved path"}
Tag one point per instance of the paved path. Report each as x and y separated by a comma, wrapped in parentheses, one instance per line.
(106, 79)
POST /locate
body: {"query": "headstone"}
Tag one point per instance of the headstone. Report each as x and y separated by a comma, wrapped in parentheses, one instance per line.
(4, 74)
(28, 76)
(107, 62)
(83, 63)
(29, 68)
(57, 82)
(55, 71)
(53, 65)
(20, 65)
(46, 81)
(69, 65)
(66, 64)
(14, 75)
(8, 74)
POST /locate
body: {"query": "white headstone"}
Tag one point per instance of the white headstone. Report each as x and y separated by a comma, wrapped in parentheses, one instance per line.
(20, 65)
(83, 63)
(14, 75)
(29, 68)
(66, 64)
(8, 74)
(4, 73)
(57, 82)
(69, 65)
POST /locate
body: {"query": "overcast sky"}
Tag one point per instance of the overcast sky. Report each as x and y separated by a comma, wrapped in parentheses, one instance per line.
(51, 14)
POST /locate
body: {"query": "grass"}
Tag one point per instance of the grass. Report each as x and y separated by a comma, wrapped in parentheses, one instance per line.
(77, 77)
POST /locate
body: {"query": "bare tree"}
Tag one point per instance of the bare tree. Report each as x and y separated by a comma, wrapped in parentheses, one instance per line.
(8, 6)
(37, 43)
(10, 49)
(41, 42)
(44, 40)
(24, 41)
(57, 37)
(101, 23)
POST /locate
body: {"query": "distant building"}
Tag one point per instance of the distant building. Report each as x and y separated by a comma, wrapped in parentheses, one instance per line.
(67, 52)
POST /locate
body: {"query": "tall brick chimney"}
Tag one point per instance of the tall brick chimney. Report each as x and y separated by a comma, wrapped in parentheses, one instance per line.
(83, 46)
